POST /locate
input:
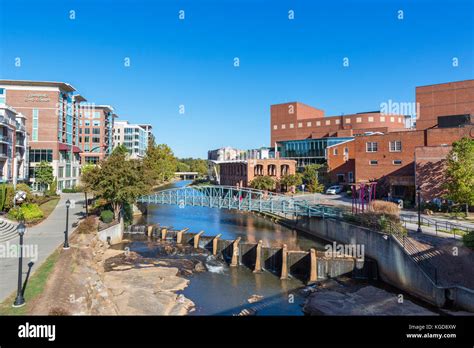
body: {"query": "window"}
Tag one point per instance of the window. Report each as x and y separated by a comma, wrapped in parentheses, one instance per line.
(95, 130)
(61, 172)
(348, 120)
(2, 95)
(274, 127)
(371, 119)
(96, 123)
(396, 146)
(371, 146)
(346, 150)
(87, 123)
(334, 151)
(373, 162)
(34, 136)
(382, 118)
(87, 131)
(328, 122)
(291, 125)
(351, 177)
(96, 140)
(308, 124)
(96, 114)
(283, 126)
(392, 119)
(318, 123)
(38, 155)
(397, 162)
(340, 178)
(359, 119)
(337, 121)
(300, 124)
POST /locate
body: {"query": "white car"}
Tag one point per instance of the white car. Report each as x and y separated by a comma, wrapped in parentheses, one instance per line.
(334, 190)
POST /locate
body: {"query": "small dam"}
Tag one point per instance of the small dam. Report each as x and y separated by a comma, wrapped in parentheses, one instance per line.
(307, 266)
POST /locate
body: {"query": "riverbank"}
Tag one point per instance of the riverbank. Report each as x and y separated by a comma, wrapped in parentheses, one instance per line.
(92, 279)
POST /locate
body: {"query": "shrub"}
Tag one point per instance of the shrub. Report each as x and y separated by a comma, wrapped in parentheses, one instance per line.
(468, 239)
(28, 212)
(9, 196)
(25, 188)
(106, 216)
(53, 188)
(74, 189)
(87, 225)
(3, 191)
(383, 207)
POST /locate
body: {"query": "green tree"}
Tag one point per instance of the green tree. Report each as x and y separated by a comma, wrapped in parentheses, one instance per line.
(263, 182)
(118, 179)
(291, 180)
(44, 175)
(460, 173)
(182, 167)
(159, 162)
(196, 165)
(311, 176)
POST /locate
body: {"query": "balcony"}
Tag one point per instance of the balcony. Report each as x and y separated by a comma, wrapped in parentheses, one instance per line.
(6, 121)
(5, 139)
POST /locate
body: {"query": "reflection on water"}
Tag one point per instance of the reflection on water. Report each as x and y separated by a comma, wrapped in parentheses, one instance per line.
(224, 290)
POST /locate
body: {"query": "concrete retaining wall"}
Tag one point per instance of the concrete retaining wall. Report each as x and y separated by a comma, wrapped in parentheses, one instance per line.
(115, 233)
(394, 265)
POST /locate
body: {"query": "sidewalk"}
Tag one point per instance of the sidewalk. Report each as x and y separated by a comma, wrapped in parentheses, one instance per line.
(430, 231)
(46, 236)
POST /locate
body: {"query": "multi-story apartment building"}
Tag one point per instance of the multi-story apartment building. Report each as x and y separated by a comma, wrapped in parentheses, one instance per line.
(96, 127)
(133, 136)
(148, 129)
(224, 154)
(52, 123)
(13, 144)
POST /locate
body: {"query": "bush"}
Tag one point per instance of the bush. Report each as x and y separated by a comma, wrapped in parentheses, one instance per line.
(9, 196)
(28, 212)
(383, 207)
(3, 192)
(87, 225)
(468, 239)
(106, 216)
(74, 189)
(25, 188)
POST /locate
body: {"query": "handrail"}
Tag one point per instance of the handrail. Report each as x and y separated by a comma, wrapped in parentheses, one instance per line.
(448, 225)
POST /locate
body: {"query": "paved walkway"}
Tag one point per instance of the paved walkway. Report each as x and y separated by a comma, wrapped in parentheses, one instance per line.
(44, 238)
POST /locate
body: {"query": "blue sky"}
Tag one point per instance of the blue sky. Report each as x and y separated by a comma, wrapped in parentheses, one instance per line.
(190, 62)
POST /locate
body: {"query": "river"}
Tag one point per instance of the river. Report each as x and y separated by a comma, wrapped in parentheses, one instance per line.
(224, 290)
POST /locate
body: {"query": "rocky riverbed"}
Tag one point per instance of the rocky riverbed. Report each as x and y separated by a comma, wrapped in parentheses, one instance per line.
(93, 279)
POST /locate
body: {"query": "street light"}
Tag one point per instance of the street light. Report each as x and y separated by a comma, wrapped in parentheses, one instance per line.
(19, 300)
(66, 241)
(418, 194)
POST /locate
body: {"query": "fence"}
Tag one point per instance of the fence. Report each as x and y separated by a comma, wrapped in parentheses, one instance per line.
(439, 226)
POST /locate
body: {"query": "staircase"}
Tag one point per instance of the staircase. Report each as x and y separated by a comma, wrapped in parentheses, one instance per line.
(7, 230)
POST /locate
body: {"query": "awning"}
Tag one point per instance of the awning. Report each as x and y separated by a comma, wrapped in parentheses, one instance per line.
(64, 147)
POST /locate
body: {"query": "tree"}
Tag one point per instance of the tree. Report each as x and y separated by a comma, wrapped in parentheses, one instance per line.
(291, 180)
(311, 175)
(196, 165)
(118, 179)
(44, 175)
(460, 173)
(182, 167)
(159, 162)
(263, 182)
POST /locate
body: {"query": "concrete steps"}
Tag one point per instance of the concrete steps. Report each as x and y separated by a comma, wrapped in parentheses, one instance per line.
(7, 230)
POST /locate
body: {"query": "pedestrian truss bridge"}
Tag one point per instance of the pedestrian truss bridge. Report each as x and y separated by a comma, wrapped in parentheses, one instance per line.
(245, 199)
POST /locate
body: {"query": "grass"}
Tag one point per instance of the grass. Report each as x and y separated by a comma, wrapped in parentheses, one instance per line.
(48, 207)
(34, 288)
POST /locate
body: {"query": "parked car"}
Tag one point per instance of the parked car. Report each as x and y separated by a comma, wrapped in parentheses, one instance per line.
(334, 190)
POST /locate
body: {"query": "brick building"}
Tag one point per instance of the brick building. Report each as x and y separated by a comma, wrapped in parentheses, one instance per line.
(401, 160)
(96, 124)
(52, 122)
(296, 121)
(241, 173)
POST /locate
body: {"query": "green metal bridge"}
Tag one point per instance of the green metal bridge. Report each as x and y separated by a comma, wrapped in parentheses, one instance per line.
(245, 199)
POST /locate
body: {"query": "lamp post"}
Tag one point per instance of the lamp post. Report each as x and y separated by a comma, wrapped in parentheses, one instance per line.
(19, 300)
(66, 241)
(418, 194)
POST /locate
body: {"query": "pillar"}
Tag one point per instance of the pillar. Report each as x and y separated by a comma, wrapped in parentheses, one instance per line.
(313, 274)
(149, 231)
(163, 233)
(284, 262)
(214, 244)
(196, 239)
(179, 237)
(235, 253)
(258, 258)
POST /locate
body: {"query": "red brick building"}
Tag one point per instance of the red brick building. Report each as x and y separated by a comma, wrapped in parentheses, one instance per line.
(445, 116)
(241, 173)
(95, 132)
(294, 121)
